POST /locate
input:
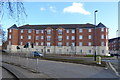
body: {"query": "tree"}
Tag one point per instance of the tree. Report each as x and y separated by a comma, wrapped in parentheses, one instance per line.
(15, 10)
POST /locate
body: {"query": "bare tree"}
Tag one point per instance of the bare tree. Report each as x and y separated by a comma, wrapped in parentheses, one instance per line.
(14, 10)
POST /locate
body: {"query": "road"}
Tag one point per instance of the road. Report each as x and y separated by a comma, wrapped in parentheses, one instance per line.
(65, 70)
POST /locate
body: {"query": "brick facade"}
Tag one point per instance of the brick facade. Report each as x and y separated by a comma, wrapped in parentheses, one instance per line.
(59, 36)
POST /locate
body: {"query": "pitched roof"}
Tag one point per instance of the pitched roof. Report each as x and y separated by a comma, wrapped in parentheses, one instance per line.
(13, 26)
(100, 25)
(55, 26)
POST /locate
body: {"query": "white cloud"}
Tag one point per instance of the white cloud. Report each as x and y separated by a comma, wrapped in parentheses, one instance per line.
(52, 9)
(42, 9)
(76, 8)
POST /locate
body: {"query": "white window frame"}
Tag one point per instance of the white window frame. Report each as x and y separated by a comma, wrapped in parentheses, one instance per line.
(10, 30)
(48, 44)
(42, 31)
(80, 37)
(21, 31)
(89, 30)
(73, 31)
(67, 31)
(89, 44)
(29, 37)
(48, 31)
(37, 31)
(73, 38)
(72, 44)
(37, 38)
(102, 29)
(42, 37)
(67, 43)
(29, 30)
(21, 37)
(36, 43)
(60, 31)
(42, 43)
(67, 37)
(89, 37)
(102, 44)
(102, 36)
(48, 38)
(59, 43)
(80, 43)
(10, 36)
(80, 30)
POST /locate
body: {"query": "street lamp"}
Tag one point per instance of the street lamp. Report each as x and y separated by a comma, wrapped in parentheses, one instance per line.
(95, 33)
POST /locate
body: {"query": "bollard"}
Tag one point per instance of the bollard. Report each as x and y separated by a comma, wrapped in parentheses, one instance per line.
(98, 60)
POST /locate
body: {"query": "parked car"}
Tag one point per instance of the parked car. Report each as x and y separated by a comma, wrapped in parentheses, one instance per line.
(37, 53)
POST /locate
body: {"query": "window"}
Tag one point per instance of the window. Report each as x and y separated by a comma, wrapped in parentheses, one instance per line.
(80, 36)
(67, 37)
(36, 43)
(10, 30)
(89, 30)
(89, 43)
(89, 37)
(59, 38)
(48, 38)
(21, 37)
(42, 31)
(102, 43)
(48, 50)
(21, 43)
(29, 37)
(37, 37)
(73, 31)
(10, 36)
(42, 43)
(80, 30)
(102, 29)
(42, 37)
(67, 43)
(89, 51)
(37, 31)
(59, 43)
(102, 51)
(48, 43)
(72, 44)
(60, 31)
(21, 31)
(73, 37)
(67, 31)
(29, 31)
(41, 50)
(48, 31)
(102, 36)
(80, 43)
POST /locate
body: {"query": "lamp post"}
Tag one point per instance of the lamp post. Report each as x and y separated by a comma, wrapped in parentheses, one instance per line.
(95, 33)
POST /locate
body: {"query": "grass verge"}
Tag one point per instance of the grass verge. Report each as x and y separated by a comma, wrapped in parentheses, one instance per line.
(77, 61)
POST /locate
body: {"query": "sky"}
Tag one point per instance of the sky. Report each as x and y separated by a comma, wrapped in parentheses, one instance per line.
(69, 13)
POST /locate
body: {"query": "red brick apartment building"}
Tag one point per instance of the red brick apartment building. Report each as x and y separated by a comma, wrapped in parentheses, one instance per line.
(80, 39)
(114, 45)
